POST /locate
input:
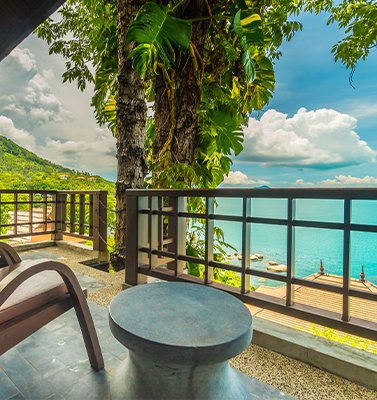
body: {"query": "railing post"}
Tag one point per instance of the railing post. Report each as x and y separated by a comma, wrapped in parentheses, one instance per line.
(30, 220)
(210, 209)
(177, 230)
(72, 217)
(152, 230)
(59, 211)
(132, 244)
(245, 278)
(160, 224)
(346, 260)
(136, 236)
(290, 251)
(99, 224)
(45, 211)
(15, 214)
(82, 214)
(140, 230)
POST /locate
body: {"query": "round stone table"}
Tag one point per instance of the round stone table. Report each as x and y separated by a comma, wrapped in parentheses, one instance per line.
(180, 337)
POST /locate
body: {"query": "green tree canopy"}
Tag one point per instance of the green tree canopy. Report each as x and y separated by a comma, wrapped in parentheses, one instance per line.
(226, 47)
(358, 20)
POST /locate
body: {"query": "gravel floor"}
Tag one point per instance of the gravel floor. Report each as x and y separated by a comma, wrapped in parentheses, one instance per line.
(296, 378)
(293, 377)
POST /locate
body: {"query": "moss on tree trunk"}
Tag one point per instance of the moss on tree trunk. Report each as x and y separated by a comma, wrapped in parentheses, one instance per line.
(131, 119)
(178, 125)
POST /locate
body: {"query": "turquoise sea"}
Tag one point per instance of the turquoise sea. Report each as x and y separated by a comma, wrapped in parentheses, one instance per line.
(312, 244)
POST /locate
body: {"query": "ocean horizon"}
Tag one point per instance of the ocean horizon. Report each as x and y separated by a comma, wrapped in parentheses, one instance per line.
(311, 244)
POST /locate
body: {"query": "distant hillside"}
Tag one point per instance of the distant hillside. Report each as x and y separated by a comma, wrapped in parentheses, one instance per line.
(16, 159)
(22, 169)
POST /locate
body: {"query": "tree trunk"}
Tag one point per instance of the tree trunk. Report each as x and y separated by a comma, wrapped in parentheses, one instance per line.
(187, 96)
(131, 119)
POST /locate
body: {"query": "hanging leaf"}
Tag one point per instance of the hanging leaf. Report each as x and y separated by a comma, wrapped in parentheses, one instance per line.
(264, 84)
(249, 65)
(249, 26)
(229, 135)
(158, 33)
(110, 113)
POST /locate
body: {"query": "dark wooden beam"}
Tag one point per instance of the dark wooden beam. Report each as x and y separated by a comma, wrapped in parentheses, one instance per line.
(18, 18)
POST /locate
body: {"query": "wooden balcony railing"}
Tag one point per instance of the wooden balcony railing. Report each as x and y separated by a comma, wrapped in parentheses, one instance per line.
(54, 213)
(158, 249)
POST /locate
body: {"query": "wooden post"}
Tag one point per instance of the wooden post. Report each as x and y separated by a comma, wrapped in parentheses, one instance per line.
(99, 224)
(290, 251)
(346, 260)
(177, 230)
(45, 211)
(15, 214)
(59, 211)
(210, 209)
(131, 266)
(30, 220)
(136, 237)
(72, 219)
(139, 229)
(246, 213)
(153, 235)
(82, 214)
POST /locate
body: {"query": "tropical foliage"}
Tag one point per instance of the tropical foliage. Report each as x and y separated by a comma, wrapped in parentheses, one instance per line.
(207, 65)
(357, 18)
(234, 71)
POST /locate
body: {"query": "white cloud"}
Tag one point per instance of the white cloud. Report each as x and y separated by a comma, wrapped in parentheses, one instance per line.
(52, 119)
(238, 178)
(23, 58)
(30, 100)
(341, 180)
(302, 183)
(362, 109)
(20, 136)
(96, 156)
(320, 139)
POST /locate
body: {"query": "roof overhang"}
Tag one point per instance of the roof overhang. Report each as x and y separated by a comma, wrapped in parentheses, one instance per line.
(18, 18)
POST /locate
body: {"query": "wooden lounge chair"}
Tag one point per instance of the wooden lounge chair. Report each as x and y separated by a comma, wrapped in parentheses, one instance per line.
(33, 293)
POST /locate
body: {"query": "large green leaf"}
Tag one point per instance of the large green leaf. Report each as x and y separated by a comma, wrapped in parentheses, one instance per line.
(264, 84)
(248, 27)
(229, 135)
(158, 33)
(248, 65)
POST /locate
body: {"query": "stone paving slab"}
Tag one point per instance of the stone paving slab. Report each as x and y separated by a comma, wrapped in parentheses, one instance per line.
(52, 364)
(91, 284)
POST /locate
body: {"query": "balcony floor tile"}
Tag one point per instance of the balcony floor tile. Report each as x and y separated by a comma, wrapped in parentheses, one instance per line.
(52, 364)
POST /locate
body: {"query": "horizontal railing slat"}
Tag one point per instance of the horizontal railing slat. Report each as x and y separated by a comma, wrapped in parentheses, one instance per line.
(283, 193)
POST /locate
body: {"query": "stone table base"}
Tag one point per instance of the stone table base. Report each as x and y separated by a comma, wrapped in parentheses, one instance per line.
(141, 378)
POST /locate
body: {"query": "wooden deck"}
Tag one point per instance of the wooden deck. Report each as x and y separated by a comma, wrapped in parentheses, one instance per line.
(365, 309)
(23, 217)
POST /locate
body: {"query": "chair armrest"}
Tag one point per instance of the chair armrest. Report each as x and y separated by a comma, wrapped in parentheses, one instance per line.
(10, 254)
(23, 271)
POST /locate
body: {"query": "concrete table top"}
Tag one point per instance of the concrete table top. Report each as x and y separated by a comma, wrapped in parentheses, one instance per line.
(181, 323)
(180, 337)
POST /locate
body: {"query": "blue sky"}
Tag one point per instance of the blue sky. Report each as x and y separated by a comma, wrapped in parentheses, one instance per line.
(317, 129)
(308, 77)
